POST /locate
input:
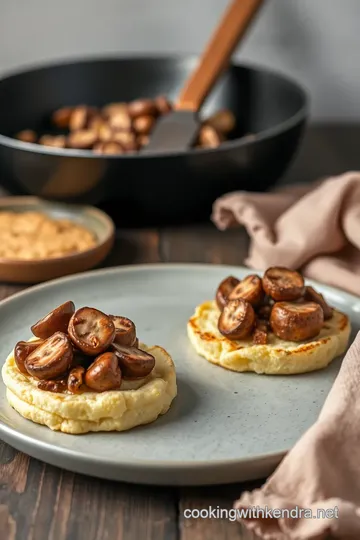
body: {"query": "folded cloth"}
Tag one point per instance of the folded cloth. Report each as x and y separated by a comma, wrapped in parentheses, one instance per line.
(321, 472)
(315, 228)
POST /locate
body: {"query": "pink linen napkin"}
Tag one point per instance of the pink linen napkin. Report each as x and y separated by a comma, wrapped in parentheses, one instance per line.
(322, 471)
(315, 228)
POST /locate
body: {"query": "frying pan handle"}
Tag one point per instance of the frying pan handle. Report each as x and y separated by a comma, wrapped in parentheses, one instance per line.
(215, 58)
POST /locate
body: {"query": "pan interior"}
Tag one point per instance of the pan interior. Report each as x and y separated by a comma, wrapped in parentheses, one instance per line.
(259, 99)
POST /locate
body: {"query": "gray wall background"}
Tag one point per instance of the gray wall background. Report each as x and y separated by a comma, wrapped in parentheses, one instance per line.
(315, 41)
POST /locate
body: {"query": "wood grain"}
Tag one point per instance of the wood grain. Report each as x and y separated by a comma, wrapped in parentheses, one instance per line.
(218, 498)
(7, 524)
(14, 471)
(134, 247)
(203, 244)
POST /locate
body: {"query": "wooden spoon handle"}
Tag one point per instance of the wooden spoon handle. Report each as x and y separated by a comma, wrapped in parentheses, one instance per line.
(215, 58)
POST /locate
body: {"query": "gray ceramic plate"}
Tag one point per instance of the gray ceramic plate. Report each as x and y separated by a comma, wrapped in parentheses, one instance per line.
(223, 426)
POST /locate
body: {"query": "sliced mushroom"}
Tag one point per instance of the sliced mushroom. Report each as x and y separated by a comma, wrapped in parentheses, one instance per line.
(96, 124)
(105, 133)
(134, 363)
(80, 117)
(163, 105)
(52, 358)
(209, 137)
(125, 331)
(120, 120)
(224, 289)
(61, 117)
(91, 330)
(313, 296)
(250, 289)
(237, 319)
(21, 352)
(114, 108)
(296, 322)
(27, 135)
(223, 121)
(108, 148)
(142, 107)
(260, 335)
(144, 124)
(56, 386)
(283, 284)
(131, 146)
(76, 379)
(124, 138)
(104, 373)
(55, 141)
(82, 139)
(55, 321)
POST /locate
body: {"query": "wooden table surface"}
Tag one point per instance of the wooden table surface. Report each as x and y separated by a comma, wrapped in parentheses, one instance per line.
(41, 502)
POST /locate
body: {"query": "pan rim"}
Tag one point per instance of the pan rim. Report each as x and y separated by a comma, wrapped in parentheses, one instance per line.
(297, 118)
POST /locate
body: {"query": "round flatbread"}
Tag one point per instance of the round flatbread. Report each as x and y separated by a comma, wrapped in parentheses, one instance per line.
(136, 403)
(277, 357)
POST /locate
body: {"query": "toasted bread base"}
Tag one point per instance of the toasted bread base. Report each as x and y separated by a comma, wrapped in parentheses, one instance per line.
(277, 357)
(115, 410)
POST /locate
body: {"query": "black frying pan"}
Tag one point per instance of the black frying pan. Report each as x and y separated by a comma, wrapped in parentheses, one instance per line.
(148, 188)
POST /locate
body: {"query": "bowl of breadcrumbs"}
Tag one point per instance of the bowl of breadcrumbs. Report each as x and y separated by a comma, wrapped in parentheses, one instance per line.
(41, 240)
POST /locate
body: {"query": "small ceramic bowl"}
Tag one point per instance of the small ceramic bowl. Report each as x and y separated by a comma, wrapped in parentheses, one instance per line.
(36, 271)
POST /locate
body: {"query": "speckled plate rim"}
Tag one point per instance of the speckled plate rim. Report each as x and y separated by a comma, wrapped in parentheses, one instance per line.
(264, 463)
(12, 202)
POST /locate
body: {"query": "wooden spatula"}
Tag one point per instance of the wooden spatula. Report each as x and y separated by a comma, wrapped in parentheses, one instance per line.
(178, 130)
